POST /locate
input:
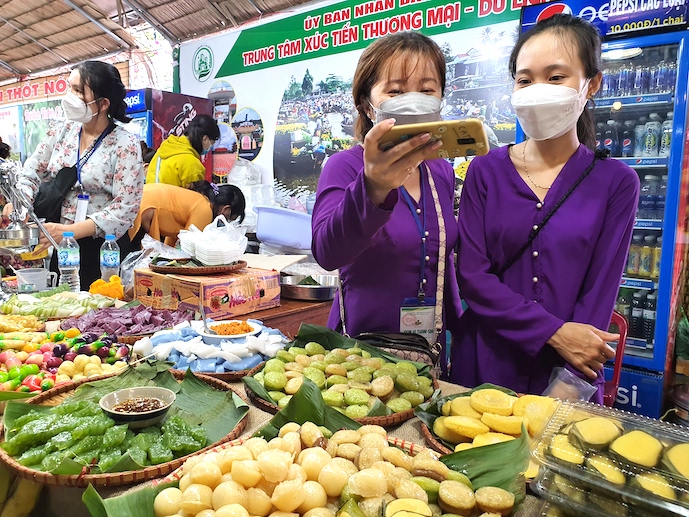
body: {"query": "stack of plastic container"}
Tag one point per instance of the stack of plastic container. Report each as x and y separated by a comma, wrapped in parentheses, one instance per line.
(604, 462)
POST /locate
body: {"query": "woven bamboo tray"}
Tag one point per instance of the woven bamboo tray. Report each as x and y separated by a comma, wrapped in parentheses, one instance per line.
(235, 376)
(56, 395)
(383, 421)
(434, 443)
(195, 271)
(409, 447)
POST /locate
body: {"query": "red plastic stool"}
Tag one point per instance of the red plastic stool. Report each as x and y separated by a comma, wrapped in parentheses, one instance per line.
(610, 391)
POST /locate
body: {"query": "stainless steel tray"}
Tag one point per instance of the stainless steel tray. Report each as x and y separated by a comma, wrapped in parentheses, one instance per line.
(325, 291)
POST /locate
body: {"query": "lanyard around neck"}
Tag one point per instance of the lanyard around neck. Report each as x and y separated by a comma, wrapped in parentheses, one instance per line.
(421, 227)
(81, 162)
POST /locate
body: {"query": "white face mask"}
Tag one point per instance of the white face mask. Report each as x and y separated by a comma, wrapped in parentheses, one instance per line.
(548, 111)
(409, 108)
(76, 109)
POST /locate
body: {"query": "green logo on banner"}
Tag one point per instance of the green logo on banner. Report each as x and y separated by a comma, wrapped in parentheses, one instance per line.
(203, 63)
(354, 24)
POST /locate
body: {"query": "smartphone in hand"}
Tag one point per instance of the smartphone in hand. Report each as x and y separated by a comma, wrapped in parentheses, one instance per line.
(465, 137)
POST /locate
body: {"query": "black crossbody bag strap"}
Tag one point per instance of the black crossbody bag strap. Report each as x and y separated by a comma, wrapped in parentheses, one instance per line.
(534, 232)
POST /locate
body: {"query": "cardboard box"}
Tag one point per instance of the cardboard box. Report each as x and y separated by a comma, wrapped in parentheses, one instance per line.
(223, 296)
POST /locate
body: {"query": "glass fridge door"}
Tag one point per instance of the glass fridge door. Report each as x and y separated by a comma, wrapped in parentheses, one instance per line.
(640, 119)
(140, 125)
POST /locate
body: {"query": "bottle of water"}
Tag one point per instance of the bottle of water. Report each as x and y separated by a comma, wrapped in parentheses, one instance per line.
(109, 258)
(68, 261)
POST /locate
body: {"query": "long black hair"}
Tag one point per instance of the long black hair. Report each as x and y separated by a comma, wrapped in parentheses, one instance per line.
(105, 82)
(587, 39)
(4, 150)
(200, 126)
(224, 195)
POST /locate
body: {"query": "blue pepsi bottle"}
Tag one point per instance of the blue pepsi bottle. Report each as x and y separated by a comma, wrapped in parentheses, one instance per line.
(611, 140)
(627, 139)
(600, 129)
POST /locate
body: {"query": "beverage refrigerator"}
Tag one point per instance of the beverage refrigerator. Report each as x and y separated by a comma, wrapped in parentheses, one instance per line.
(641, 118)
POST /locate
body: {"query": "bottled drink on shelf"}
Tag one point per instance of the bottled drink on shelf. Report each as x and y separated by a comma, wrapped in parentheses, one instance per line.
(68, 262)
(627, 139)
(646, 265)
(625, 80)
(624, 304)
(652, 136)
(656, 258)
(609, 87)
(666, 136)
(636, 325)
(649, 317)
(659, 86)
(611, 141)
(670, 78)
(109, 258)
(640, 137)
(660, 198)
(648, 195)
(600, 129)
(634, 257)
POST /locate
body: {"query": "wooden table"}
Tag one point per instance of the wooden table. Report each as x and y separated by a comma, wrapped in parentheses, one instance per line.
(290, 314)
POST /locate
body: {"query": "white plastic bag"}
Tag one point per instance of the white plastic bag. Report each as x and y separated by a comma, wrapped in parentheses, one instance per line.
(565, 385)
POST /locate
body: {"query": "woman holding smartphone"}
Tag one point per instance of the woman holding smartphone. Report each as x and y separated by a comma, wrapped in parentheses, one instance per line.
(385, 218)
(544, 226)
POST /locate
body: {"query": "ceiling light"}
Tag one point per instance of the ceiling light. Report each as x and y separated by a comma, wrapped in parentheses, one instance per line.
(621, 53)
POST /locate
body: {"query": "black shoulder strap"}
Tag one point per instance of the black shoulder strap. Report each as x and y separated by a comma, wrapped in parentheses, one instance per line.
(537, 229)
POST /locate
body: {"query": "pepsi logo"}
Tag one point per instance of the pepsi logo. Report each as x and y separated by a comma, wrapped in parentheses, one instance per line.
(627, 141)
(552, 10)
(637, 162)
(607, 142)
(639, 99)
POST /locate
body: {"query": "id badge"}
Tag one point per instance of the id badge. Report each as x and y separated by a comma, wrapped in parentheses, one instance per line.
(82, 206)
(418, 318)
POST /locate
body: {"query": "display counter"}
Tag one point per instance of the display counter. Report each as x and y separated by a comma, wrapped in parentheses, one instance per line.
(55, 500)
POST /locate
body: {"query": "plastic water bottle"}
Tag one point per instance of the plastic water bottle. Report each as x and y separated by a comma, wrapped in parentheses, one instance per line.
(627, 139)
(600, 129)
(68, 262)
(660, 198)
(637, 323)
(666, 136)
(640, 137)
(652, 137)
(109, 258)
(649, 317)
(611, 141)
(648, 197)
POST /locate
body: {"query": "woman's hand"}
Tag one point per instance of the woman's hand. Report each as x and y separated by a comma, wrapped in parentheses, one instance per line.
(388, 170)
(7, 210)
(55, 230)
(584, 347)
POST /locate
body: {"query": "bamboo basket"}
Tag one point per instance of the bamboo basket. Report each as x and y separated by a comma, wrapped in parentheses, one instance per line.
(409, 447)
(434, 443)
(56, 395)
(228, 376)
(383, 421)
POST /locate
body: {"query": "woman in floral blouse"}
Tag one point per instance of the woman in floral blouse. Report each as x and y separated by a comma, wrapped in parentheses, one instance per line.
(107, 159)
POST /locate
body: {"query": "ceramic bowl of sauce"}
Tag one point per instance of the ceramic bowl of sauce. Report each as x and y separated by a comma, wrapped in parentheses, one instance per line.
(138, 407)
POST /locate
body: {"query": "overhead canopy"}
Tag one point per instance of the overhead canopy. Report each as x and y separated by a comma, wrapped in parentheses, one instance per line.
(39, 35)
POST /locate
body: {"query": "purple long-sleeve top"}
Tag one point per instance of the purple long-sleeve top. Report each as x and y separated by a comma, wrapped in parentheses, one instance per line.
(571, 272)
(377, 250)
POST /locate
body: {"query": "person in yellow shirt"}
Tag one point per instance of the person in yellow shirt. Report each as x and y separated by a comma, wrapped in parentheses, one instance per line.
(178, 159)
(167, 209)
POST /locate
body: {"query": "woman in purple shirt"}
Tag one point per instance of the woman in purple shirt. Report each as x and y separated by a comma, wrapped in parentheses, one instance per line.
(550, 305)
(375, 217)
